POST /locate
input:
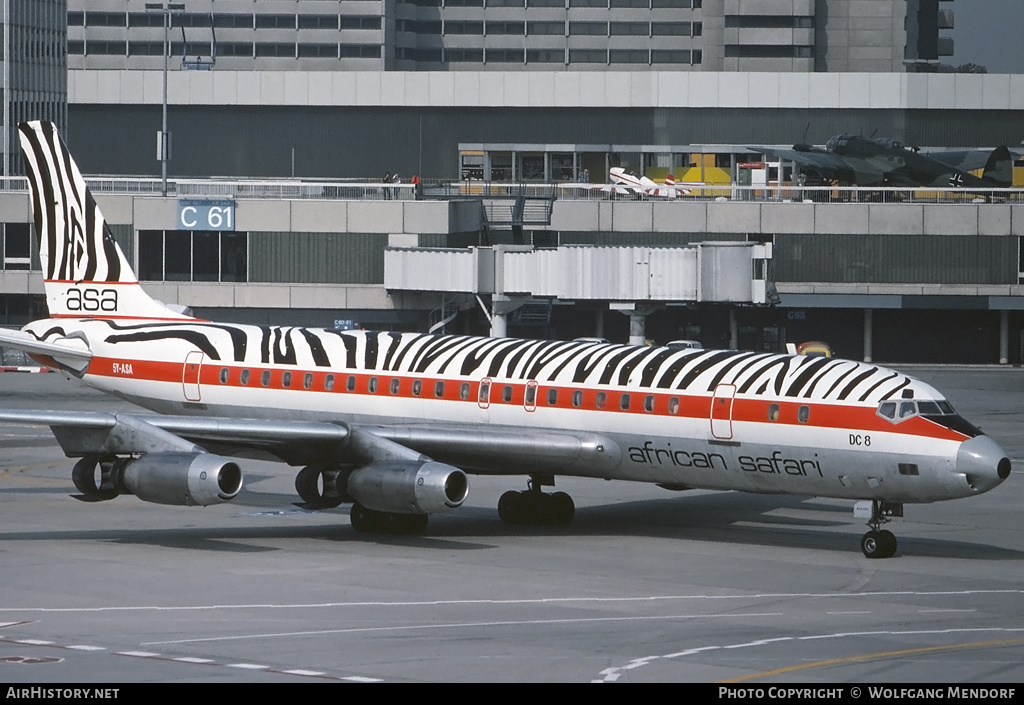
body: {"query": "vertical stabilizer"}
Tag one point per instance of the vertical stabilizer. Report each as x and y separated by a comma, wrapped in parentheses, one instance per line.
(85, 273)
(999, 168)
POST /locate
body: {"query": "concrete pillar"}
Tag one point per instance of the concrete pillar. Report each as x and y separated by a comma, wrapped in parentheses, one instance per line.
(499, 326)
(637, 319)
(637, 327)
(869, 331)
(1004, 337)
(599, 323)
(734, 337)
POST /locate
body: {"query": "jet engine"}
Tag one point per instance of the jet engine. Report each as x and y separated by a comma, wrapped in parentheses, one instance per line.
(181, 478)
(408, 488)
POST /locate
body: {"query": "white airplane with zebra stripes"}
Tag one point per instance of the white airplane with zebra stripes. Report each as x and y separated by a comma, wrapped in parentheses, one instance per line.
(393, 422)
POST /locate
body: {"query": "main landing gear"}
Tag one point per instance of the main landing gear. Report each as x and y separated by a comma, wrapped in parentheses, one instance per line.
(880, 543)
(371, 521)
(324, 487)
(532, 506)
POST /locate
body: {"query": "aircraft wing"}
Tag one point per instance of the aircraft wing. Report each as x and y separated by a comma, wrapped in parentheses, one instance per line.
(72, 353)
(479, 450)
(828, 165)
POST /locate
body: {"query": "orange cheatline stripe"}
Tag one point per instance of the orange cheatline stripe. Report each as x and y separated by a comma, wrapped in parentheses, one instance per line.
(822, 415)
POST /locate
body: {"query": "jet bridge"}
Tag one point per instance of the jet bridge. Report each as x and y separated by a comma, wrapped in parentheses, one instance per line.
(635, 280)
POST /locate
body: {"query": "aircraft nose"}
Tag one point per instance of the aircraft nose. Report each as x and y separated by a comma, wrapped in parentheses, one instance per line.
(982, 463)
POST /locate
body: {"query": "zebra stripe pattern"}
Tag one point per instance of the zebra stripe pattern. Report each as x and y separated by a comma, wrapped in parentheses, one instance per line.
(75, 244)
(550, 361)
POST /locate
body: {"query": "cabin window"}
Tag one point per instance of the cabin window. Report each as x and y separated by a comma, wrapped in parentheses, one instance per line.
(307, 381)
(803, 414)
(417, 387)
(265, 378)
(350, 383)
(464, 391)
(649, 403)
(244, 377)
(394, 385)
(223, 375)
(485, 392)
(531, 395)
(577, 398)
(673, 405)
(552, 396)
(624, 402)
(506, 393)
(773, 412)
(439, 389)
(601, 400)
(286, 379)
(329, 383)
(371, 385)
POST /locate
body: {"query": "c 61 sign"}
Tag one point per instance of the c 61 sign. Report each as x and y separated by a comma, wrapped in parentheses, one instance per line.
(206, 214)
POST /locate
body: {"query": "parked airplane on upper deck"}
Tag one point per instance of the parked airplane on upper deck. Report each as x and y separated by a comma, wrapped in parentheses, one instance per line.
(391, 422)
(626, 182)
(865, 161)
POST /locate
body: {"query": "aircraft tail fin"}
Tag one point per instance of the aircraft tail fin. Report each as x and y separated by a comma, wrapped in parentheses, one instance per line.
(999, 168)
(84, 271)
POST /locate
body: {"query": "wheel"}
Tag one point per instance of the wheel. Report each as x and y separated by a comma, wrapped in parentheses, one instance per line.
(313, 485)
(561, 507)
(874, 545)
(84, 477)
(510, 507)
(888, 540)
(362, 519)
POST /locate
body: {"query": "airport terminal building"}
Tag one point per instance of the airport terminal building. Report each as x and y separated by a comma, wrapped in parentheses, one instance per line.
(296, 146)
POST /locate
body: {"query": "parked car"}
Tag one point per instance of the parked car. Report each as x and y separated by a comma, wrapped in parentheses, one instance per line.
(684, 345)
(814, 348)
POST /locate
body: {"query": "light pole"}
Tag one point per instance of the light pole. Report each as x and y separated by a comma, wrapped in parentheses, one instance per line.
(163, 138)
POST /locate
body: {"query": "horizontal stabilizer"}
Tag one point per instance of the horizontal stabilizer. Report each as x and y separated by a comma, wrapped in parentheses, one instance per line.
(71, 353)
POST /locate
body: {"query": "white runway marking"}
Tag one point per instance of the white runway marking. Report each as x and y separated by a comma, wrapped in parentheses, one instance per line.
(192, 660)
(610, 675)
(460, 625)
(513, 601)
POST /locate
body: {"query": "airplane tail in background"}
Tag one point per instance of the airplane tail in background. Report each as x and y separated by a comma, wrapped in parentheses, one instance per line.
(999, 168)
(85, 273)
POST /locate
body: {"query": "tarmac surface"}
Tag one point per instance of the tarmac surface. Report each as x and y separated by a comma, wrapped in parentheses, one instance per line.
(644, 586)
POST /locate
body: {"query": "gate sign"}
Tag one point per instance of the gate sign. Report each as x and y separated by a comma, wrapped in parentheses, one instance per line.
(206, 214)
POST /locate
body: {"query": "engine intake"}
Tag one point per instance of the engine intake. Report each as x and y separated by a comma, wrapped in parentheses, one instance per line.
(409, 488)
(182, 478)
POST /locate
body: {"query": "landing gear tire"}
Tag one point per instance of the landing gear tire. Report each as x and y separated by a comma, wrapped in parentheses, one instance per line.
(878, 544)
(315, 486)
(509, 507)
(371, 521)
(84, 477)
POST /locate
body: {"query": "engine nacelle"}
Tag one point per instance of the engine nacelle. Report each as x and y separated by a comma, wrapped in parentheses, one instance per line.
(409, 488)
(182, 478)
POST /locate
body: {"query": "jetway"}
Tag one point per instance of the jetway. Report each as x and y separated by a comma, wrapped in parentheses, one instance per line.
(707, 272)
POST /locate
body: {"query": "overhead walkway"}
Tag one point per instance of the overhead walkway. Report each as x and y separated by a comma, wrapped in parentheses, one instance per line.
(634, 280)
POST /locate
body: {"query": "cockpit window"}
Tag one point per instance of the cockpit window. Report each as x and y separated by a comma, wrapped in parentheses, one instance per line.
(908, 408)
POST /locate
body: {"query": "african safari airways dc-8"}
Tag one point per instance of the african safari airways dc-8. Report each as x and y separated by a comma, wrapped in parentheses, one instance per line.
(393, 422)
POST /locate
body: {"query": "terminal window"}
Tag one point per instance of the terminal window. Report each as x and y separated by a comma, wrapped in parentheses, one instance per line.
(175, 255)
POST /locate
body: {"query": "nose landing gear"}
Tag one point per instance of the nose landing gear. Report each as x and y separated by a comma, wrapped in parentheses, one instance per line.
(880, 543)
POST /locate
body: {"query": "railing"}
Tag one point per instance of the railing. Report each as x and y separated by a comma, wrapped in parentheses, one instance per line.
(443, 190)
